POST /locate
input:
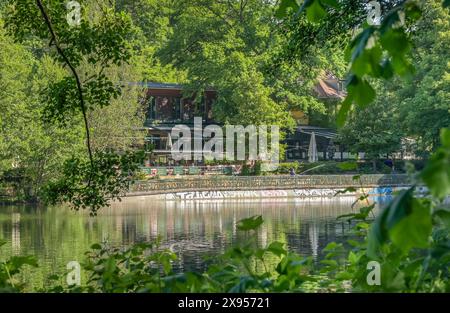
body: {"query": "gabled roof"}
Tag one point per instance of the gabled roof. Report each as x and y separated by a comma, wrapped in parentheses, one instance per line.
(329, 88)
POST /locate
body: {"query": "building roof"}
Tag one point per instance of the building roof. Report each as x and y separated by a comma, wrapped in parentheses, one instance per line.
(325, 88)
(155, 85)
(329, 88)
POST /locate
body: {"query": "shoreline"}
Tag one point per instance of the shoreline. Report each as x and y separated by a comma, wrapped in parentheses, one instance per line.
(261, 187)
(237, 187)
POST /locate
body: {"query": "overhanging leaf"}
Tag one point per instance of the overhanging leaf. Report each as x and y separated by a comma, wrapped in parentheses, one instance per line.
(436, 174)
(445, 137)
(368, 63)
(284, 7)
(343, 111)
(392, 214)
(361, 91)
(395, 41)
(277, 248)
(413, 230)
(315, 12)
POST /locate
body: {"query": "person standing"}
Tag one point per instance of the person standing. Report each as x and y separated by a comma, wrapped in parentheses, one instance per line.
(292, 171)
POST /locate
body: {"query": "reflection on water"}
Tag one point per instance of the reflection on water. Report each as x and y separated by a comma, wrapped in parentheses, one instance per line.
(194, 229)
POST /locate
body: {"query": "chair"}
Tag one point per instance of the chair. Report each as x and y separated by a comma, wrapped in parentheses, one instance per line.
(227, 170)
(194, 170)
(178, 170)
(162, 171)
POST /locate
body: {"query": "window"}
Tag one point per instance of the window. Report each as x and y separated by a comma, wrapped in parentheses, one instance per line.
(177, 108)
(164, 108)
(151, 113)
(155, 141)
(188, 109)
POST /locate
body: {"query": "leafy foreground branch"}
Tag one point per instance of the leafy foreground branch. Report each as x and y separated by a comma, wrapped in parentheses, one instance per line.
(94, 184)
(85, 52)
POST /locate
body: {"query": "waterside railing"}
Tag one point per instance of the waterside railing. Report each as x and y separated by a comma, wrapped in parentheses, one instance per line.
(279, 182)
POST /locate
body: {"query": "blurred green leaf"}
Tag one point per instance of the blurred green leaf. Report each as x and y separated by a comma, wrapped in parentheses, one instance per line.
(344, 110)
(395, 41)
(284, 7)
(315, 12)
(436, 174)
(250, 223)
(444, 215)
(413, 229)
(277, 248)
(361, 91)
(16, 262)
(405, 221)
(378, 234)
(445, 137)
(368, 63)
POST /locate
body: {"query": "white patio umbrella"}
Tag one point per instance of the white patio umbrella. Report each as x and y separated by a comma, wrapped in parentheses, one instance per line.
(312, 150)
(169, 142)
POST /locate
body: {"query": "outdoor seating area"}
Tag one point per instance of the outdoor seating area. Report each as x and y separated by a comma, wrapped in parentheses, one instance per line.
(160, 171)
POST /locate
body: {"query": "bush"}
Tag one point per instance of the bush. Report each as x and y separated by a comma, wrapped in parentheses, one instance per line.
(9, 270)
(140, 175)
(257, 171)
(246, 170)
(220, 162)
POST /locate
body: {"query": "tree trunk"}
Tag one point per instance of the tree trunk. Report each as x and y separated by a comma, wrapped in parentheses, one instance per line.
(374, 164)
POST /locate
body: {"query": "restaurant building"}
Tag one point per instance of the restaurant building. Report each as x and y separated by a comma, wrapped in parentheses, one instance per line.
(167, 106)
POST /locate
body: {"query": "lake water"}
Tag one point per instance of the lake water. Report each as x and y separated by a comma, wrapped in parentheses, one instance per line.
(195, 229)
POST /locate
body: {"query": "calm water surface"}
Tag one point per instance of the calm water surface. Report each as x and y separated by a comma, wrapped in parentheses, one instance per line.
(195, 229)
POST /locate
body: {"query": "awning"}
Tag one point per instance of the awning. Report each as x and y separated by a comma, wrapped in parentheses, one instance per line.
(318, 131)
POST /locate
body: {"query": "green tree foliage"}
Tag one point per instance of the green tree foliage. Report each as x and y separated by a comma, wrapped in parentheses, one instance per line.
(230, 46)
(31, 151)
(373, 129)
(424, 100)
(99, 44)
(91, 185)
(417, 106)
(152, 22)
(115, 127)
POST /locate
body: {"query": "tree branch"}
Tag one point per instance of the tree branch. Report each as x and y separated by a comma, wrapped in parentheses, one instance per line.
(54, 40)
